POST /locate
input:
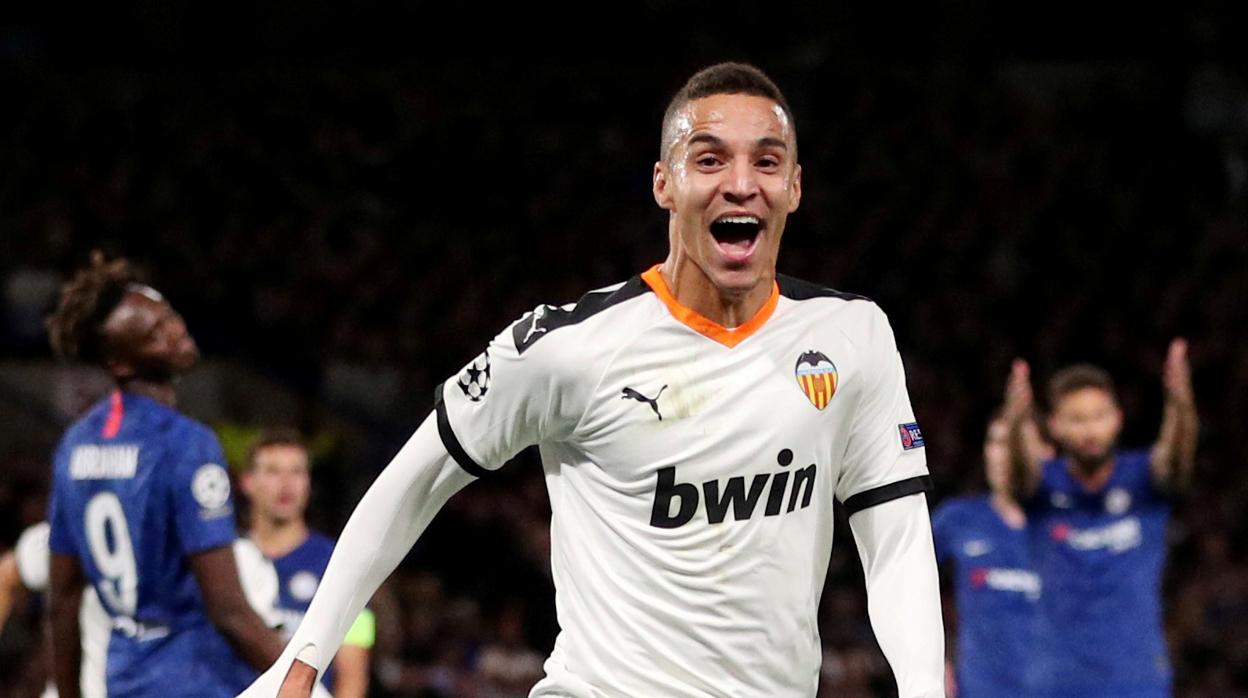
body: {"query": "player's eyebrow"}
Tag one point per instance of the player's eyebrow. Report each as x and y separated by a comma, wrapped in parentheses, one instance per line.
(713, 141)
(716, 142)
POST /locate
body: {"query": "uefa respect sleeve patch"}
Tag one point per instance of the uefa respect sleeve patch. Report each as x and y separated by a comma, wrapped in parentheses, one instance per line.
(911, 436)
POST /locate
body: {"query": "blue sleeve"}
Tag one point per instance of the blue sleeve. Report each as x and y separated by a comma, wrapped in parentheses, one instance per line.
(1042, 498)
(943, 529)
(203, 508)
(60, 536)
(1140, 477)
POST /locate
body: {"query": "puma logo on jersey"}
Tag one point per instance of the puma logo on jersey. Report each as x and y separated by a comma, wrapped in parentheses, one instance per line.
(534, 328)
(630, 394)
(734, 495)
(539, 322)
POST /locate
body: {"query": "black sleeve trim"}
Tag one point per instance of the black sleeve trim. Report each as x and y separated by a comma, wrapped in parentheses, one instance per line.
(449, 440)
(547, 318)
(799, 290)
(887, 493)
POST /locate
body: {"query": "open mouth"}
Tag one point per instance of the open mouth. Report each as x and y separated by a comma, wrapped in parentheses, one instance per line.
(736, 236)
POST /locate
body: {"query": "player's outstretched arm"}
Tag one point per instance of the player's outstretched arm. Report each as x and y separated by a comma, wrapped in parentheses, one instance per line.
(216, 572)
(1174, 454)
(903, 592)
(385, 524)
(1024, 439)
(64, 596)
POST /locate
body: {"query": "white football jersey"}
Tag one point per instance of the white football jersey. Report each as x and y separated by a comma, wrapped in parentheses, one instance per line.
(692, 471)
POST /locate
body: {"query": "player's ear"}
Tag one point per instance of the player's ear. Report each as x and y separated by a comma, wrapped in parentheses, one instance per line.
(1117, 417)
(795, 187)
(661, 182)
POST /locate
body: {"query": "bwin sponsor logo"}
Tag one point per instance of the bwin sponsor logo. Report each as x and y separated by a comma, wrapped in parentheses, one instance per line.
(676, 502)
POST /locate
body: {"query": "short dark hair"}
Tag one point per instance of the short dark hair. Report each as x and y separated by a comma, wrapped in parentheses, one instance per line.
(282, 436)
(722, 79)
(74, 328)
(1078, 377)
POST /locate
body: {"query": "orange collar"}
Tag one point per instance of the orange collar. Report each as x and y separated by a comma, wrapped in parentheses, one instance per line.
(703, 325)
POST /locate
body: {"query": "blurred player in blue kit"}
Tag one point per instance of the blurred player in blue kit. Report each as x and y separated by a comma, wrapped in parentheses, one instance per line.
(141, 507)
(276, 483)
(1098, 523)
(983, 539)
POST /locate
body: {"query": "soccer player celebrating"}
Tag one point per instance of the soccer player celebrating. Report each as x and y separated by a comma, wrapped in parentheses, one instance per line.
(695, 424)
(1100, 516)
(276, 484)
(141, 506)
(984, 539)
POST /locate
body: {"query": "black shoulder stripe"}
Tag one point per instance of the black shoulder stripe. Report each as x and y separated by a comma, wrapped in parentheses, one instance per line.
(450, 441)
(548, 318)
(887, 493)
(799, 290)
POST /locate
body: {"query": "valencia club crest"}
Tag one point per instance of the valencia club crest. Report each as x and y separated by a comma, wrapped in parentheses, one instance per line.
(816, 376)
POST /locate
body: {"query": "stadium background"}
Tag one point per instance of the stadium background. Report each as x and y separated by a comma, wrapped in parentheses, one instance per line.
(345, 205)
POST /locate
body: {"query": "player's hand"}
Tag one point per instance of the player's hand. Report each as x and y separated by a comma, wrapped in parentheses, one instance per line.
(298, 682)
(1018, 395)
(1176, 375)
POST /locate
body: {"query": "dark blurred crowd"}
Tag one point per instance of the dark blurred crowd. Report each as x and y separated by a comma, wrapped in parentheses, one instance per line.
(358, 234)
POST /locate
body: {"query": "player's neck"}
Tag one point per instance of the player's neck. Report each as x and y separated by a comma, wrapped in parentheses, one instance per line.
(1092, 477)
(163, 392)
(691, 287)
(277, 538)
(1008, 509)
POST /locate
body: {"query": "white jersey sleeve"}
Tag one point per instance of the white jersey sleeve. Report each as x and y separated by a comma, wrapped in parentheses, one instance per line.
(33, 557)
(518, 392)
(884, 456)
(903, 592)
(259, 580)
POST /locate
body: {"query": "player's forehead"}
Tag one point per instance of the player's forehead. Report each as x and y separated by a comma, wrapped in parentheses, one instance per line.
(281, 457)
(734, 119)
(136, 314)
(1083, 399)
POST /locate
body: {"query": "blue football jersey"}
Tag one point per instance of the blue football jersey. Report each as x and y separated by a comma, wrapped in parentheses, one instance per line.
(137, 488)
(1100, 555)
(997, 593)
(299, 573)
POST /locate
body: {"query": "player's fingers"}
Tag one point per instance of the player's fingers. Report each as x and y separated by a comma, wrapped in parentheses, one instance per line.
(1176, 360)
(1019, 386)
(1020, 368)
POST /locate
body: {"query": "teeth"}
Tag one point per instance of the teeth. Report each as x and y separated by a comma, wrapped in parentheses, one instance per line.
(753, 220)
